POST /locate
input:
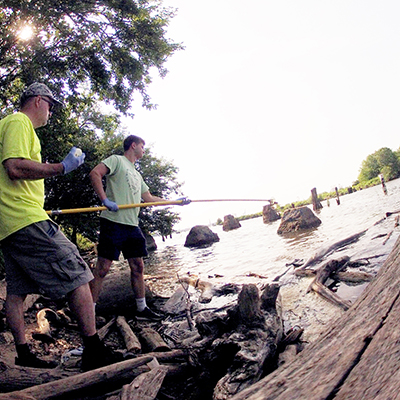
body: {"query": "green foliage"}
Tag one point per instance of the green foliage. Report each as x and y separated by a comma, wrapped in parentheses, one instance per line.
(160, 176)
(108, 48)
(383, 161)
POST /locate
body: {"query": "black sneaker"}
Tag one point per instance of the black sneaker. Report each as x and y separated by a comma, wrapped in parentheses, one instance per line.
(148, 315)
(31, 360)
(100, 357)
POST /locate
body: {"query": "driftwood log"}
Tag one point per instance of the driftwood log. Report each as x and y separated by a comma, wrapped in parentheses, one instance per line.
(132, 343)
(146, 385)
(19, 378)
(323, 273)
(74, 384)
(104, 330)
(357, 357)
(326, 250)
(153, 340)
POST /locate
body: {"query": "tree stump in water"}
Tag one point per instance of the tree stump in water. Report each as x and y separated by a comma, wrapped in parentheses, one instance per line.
(315, 201)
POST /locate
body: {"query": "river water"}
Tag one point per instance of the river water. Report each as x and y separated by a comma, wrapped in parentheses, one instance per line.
(255, 253)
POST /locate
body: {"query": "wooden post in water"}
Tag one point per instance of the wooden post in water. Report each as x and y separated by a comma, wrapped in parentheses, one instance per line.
(315, 201)
(383, 183)
(337, 196)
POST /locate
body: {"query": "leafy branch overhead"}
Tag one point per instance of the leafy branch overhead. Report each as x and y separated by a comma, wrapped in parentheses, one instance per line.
(106, 47)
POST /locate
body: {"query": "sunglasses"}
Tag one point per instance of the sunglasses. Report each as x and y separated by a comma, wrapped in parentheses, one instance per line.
(51, 104)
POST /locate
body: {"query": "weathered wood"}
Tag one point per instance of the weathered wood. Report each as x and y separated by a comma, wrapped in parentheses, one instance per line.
(255, 338)
(17, 396)
(153, 340)
(132, 343)
(357, 357)
(110, 374)
(315, 201)
(288, 355)
(330, 296)
(145, 386)
(354, 276)
(15, 378)
(104, 330)
(323, 273)
(326, 250)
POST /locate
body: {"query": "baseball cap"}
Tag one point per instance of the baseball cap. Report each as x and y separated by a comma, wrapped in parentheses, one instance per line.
(40, 89)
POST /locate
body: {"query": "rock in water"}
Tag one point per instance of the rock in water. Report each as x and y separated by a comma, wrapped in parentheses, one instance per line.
(230, 222)
(200, 235)
(270, 214)
(298, 219)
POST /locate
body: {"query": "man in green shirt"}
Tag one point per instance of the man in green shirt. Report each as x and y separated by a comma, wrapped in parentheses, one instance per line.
(38, 257)
(119, 229)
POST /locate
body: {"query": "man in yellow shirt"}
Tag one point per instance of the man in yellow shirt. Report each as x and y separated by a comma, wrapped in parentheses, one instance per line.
(38, 257)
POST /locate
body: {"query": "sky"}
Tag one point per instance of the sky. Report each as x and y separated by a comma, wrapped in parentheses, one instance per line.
(270, 99)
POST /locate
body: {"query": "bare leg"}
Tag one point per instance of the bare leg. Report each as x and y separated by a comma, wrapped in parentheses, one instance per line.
(102, 267)
(15, 317)
(137, 278)
(81, 304)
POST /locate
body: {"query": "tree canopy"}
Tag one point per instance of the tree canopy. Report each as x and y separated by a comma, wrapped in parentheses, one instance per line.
(106, 48)
(384, 161)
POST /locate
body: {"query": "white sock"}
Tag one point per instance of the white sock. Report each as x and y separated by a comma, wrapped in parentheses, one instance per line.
(141, 304)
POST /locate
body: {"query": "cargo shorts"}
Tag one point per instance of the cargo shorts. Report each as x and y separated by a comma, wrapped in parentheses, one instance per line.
(40, 259)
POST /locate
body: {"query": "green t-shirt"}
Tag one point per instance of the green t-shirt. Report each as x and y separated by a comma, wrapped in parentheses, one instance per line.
(124, 185)
(21, 201)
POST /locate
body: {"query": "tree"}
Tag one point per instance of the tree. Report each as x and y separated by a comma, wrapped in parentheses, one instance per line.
(107, 48)
(160, 176)
(384, 161)
(74, 190)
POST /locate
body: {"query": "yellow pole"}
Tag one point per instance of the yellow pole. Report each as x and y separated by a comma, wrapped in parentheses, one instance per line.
(125, 206)
(103, 208)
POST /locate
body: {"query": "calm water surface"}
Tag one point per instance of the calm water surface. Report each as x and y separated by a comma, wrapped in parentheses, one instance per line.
(256, 248)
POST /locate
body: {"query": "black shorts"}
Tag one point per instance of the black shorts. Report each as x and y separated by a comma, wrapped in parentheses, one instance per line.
(115, 237)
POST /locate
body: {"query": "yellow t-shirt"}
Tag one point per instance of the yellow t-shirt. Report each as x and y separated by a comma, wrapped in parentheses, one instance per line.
(21, 201)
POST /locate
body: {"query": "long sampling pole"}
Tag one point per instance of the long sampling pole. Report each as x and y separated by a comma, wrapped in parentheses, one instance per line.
(125, 206)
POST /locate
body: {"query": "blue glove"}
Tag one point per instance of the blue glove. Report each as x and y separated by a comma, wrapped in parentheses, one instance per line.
(72, 162)
(110, 205)
(185, 201)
